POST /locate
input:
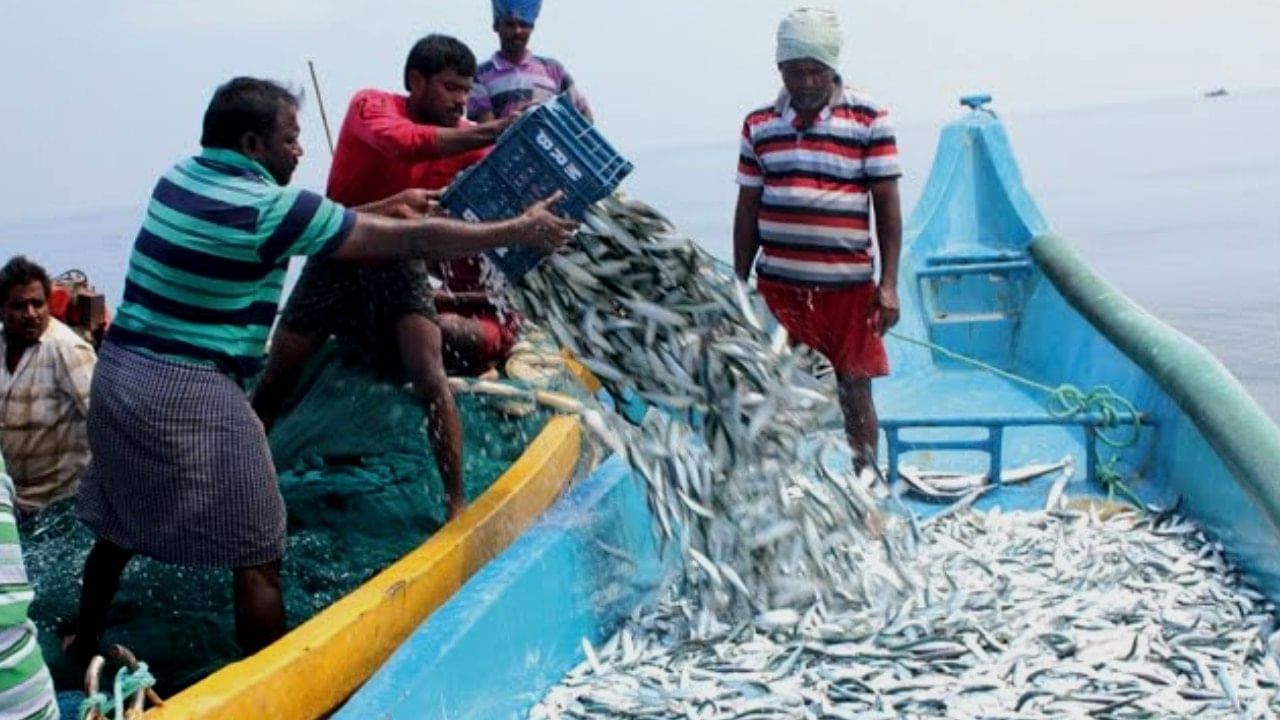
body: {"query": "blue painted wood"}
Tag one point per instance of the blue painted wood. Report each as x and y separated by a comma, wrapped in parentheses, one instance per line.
(983, 267)
(993, 443)
(1091, 419)
(964, 258)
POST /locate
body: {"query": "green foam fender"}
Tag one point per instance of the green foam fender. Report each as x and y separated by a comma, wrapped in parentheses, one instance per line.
(1232, 422)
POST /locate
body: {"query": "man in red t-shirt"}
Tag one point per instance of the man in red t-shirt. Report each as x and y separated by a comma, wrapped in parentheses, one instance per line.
(392, 142)
(388, 313)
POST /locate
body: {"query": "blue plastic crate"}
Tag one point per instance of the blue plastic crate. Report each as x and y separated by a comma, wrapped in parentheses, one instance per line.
(551, 147)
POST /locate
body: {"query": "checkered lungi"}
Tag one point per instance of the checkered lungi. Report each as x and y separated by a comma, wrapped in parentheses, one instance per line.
(181, 471)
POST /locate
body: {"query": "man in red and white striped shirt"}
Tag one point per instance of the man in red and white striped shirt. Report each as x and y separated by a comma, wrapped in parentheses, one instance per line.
(816, 166)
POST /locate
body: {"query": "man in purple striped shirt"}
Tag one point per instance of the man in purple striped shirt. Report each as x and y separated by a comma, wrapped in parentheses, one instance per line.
(515, 78)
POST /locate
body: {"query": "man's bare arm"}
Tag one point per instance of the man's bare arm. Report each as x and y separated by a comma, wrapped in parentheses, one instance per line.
(888, 211)
(746, 230)
(378, 239)
(406, 204)
(884, 194)
(451, 141)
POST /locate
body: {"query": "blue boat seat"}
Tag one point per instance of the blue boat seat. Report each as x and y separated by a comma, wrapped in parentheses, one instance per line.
(990, 430)
(973, 301)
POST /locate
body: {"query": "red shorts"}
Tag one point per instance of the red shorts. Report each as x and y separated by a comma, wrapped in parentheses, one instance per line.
(838, 323)
(499, 335)
(498, 332)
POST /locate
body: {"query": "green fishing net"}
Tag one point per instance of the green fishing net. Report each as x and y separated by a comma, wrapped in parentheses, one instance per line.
(361, 485)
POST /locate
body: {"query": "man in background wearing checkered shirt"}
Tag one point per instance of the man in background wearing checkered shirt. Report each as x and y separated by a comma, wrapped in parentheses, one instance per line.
(44, 390)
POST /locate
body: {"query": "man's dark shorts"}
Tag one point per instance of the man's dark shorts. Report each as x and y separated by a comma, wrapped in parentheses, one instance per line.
(360, 304)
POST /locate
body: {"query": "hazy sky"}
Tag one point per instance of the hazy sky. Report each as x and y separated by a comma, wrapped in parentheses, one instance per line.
(102, 96)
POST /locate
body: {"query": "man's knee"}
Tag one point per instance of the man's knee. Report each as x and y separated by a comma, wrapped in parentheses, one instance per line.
(419, 340)
(106, 554)
(473, 345)
(459, 331)
(258, 577)
(853, 387)
(291, 349)
(259, 604)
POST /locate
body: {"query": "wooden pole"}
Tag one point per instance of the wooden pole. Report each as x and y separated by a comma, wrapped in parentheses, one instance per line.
(324, 118)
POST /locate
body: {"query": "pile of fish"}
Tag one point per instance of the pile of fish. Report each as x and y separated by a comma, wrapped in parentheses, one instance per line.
(1066, 612)
(650, 314)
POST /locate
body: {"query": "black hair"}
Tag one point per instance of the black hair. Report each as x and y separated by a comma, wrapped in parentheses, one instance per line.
(20, 271)
(244, 105)
(437, 53)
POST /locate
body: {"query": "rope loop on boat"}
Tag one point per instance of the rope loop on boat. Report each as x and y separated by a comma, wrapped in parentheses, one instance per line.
(1068, 400)
(1113, 480)
(128, 684)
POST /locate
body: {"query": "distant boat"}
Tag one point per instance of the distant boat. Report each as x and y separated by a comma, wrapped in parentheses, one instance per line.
(1220, 92)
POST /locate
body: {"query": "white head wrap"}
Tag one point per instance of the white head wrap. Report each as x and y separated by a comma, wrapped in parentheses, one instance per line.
(810, 34)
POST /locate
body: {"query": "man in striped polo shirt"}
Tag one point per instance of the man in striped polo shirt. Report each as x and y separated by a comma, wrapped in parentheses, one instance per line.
(515, 78)
(815, 167)
(181, 470)
(26, 690)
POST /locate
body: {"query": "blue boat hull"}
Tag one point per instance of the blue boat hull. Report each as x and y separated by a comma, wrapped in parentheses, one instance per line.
(983, 279)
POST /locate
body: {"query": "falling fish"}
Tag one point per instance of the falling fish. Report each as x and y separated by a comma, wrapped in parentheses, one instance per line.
(658, 320)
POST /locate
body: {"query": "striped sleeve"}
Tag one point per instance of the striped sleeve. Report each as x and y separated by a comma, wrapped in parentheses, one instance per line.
(480, 102)
(579, 100)
(26, 689)
(15, 591)
(881, 150)
(313, 226)
(558, 74)
(750, 174)
(567, 84)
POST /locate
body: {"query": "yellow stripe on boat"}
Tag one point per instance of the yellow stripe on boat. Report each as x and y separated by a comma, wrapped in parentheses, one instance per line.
(588, 380)
(310, 671)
